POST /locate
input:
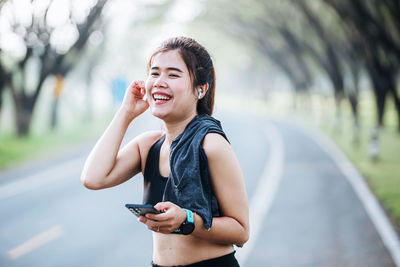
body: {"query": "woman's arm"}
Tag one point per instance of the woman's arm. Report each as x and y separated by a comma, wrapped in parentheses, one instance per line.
(106, 165)
(228, 184)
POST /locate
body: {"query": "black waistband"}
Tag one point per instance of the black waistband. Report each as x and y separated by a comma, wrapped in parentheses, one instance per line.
(228, 260)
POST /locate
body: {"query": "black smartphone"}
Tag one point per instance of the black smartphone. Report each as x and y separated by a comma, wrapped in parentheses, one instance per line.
(141, 209)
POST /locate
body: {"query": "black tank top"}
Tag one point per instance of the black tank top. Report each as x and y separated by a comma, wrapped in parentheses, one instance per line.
(154, 183)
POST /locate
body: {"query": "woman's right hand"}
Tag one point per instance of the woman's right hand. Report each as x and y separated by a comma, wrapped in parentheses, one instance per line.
(133, 103)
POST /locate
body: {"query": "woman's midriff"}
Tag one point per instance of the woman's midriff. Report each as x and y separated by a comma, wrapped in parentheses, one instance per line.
(174, 249)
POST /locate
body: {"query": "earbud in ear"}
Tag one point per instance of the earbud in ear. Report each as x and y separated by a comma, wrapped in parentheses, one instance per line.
(200, 92)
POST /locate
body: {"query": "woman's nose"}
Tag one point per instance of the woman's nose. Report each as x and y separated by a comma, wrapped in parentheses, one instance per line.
(160, 81)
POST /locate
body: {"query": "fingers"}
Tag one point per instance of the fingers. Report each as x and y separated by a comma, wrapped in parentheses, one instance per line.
(165, 206)
(157, 217)
(137, 83)
(142, 88)
(138, 88)
(152, 225)
(165, 227)
(166, 222)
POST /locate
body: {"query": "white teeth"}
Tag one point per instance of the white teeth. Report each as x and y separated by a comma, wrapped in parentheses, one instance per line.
(161, 97)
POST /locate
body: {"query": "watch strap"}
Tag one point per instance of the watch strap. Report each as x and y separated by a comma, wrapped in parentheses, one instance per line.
(189, 216)
(189, 220)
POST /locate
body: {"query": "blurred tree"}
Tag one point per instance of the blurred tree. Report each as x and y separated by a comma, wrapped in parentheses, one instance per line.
(256, 24)
(374, 27)
(51, 42)
(291, 44)
(337, 52)
(327, 58)
(341, 38)
(93, 54)
(4, 75)
(67, 61)
(4, 80)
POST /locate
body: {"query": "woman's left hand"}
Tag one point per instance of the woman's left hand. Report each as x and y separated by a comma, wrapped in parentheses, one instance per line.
(169, 220)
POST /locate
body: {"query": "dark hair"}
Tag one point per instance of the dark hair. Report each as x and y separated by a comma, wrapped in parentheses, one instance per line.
(199, 64)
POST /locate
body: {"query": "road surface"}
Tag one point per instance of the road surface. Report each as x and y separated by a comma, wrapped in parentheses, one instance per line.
(304, 211)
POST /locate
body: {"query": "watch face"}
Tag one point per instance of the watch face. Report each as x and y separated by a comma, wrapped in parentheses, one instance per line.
(187, 228)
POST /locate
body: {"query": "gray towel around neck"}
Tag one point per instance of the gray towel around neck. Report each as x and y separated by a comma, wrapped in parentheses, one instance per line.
(189, 185)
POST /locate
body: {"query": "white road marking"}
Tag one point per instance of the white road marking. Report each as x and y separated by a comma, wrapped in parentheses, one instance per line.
(266, 189)
(367, 198)
(36, 242)
(49, 175)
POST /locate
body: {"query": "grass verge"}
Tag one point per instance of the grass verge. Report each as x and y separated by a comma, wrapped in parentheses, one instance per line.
(15, 151)
(383, 175)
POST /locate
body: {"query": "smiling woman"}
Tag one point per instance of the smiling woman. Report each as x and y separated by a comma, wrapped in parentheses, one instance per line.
(169, 88)
(191, 173)
(199, 65)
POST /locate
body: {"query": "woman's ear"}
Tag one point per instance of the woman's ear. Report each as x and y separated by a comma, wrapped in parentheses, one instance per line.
(202, 90)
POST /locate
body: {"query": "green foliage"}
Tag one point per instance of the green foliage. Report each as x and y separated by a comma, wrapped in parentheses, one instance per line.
(16, 150)
(383, 176)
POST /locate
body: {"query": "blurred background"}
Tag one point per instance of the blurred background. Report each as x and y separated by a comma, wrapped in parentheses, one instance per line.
(331, 65)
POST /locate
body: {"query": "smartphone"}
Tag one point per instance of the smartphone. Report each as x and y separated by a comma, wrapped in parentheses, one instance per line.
(141, 209)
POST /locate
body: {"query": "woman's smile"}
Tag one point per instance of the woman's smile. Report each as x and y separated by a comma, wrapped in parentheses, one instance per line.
(161, 97)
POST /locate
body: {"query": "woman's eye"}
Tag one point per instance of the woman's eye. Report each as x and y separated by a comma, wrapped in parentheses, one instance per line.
(154, 74)
(174, 75)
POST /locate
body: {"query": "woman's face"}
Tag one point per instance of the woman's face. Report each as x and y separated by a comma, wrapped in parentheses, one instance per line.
(169, 88)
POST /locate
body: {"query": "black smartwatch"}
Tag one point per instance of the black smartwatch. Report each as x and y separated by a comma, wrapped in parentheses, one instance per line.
(187, 226)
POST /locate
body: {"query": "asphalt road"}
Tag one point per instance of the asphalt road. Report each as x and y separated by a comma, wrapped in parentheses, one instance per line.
(304, 212)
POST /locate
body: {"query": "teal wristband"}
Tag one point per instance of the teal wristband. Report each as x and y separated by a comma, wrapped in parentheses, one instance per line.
(187, 226)
(189, 216)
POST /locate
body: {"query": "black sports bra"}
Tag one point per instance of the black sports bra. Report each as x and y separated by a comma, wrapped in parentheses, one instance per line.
(154, 183)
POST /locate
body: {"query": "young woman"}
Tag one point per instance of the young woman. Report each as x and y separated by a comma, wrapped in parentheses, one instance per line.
(190, 171)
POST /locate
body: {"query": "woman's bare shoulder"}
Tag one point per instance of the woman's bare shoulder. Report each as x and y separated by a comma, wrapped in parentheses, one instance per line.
(147, 139)
(214, 139)
(215, 145)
